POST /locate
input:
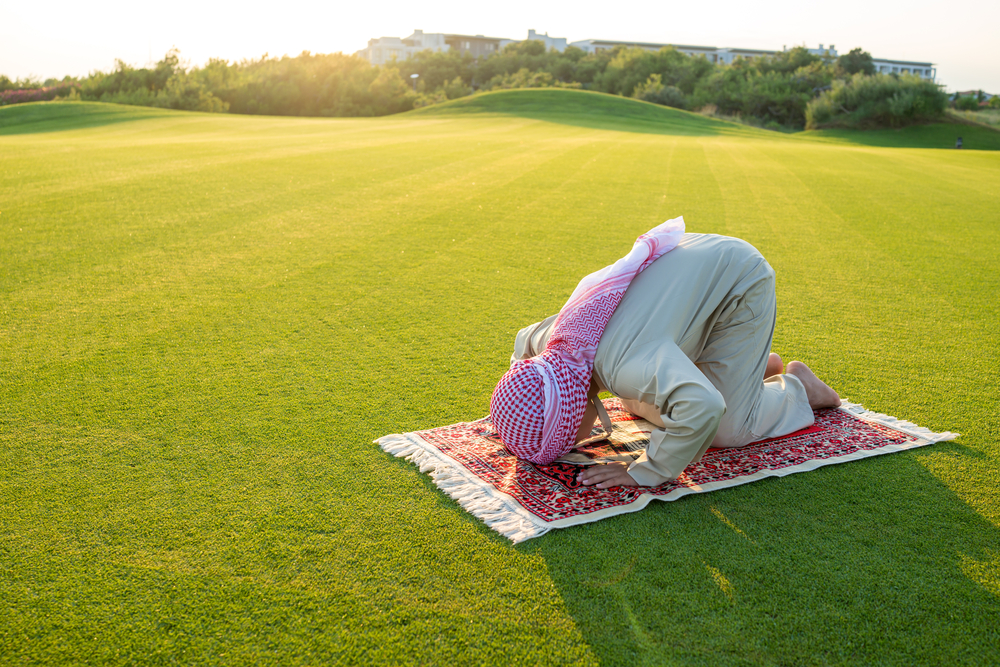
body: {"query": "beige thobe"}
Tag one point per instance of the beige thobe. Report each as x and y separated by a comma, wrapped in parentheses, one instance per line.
(686, 349)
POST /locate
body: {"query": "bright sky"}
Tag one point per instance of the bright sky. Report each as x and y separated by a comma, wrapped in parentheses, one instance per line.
(59, 37)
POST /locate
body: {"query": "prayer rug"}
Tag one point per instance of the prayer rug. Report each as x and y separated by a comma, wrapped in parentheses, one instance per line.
(522, 500)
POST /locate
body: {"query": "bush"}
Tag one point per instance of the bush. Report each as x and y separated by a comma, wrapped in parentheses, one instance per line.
(456, 88)
(766, 89)
(187, 93)
(877, 101)
(19, 96)
(967, 103)
(654, 91)
(307, 85)
(525, 78)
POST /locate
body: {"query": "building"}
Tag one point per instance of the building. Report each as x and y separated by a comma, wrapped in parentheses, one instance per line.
(557, 43)
(722, 55)
(829, 53)
(923, 70)
(598, 45)
(386, 49)
(726, 56)
(479, 46)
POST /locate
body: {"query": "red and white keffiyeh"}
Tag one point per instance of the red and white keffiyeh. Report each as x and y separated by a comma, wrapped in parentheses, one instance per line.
(538, 405)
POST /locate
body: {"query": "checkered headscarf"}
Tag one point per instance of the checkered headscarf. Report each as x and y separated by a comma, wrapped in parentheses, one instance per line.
(538, 405)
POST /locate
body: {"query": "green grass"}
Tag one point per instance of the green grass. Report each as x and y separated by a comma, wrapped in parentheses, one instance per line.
(206, 319)
(934, 135)
(989, 117)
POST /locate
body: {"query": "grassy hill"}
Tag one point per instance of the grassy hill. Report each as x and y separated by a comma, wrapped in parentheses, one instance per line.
(586, 109)
(206, 320)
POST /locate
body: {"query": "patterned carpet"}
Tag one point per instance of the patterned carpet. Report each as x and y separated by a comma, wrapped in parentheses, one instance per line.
(522, 500)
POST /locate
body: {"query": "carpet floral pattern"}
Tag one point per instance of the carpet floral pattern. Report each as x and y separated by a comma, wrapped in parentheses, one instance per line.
(523, 500)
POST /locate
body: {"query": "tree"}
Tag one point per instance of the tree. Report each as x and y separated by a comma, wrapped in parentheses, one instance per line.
(854, 62)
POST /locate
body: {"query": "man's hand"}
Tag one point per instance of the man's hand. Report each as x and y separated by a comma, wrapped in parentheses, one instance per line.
(607, 475)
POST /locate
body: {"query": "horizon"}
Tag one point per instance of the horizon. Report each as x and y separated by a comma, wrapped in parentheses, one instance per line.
(90, 38)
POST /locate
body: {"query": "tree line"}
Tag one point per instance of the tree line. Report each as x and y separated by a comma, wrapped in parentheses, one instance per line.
(790, 90)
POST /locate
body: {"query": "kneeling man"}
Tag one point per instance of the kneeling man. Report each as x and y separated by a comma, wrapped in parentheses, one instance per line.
(680, 329)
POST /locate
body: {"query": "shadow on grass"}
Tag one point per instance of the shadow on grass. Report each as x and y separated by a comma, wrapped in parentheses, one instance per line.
(38, 117)
(587, 109)
(871, 562)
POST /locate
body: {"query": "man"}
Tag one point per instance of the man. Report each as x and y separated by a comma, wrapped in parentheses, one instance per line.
(687, 347)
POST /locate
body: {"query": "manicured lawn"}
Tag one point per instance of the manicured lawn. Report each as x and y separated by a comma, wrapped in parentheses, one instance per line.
(206, 319)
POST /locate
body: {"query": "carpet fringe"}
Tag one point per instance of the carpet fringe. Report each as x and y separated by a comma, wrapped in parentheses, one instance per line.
(475, 496)
(504, 515)
(860, 411)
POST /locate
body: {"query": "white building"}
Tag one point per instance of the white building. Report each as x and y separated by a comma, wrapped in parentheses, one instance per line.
(714, 54)
(598, 45)
(727, 55)
(825, 53)
(385, 49)
(557, 43)
(923, 70)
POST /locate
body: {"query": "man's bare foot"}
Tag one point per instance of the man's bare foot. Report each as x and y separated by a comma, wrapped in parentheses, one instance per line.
(820, 394)
(774, 366)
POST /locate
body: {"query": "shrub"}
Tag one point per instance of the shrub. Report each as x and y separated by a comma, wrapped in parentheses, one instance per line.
(427, 99)
(37, 94)
(877, 101)
(456, 88)
(28, 83)
(187, 93)
(967, 103)
(308, 85)
(654, 91)
(766, 89)
(525, 78)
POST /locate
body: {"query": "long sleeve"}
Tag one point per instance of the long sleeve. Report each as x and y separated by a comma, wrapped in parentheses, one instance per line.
(709, 302)
(659, 375)
(659, 383)
(530, 340)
